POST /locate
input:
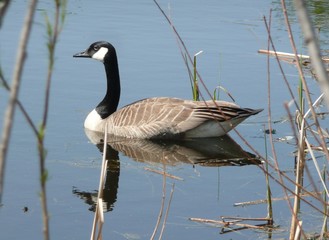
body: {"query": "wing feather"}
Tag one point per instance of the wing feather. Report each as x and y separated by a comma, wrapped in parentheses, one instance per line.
(154, 117)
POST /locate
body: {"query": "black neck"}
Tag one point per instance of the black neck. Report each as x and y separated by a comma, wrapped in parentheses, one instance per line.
(111, 100)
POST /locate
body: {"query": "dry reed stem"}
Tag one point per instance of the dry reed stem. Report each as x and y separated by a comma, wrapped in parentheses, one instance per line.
(276, 168)
(298, 230)
(98, 216)
(185, 53)
(324, 226)
(164, 183)
(288, 55)
(300, 71)
(101, 218)
(316, 167)
(285, 189)
(163, 173)
(4, 4)
(313, 47)
(281, 176)
(280, 181)
(301, 144)
(10, 110)
(167, 210)
(21, 107)
(243, 218)
(260, 201)
(299, 178)
(188, 60)
(53, 32)
(227, 224)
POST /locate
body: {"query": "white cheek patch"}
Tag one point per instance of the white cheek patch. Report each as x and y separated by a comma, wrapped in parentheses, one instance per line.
(100, 54)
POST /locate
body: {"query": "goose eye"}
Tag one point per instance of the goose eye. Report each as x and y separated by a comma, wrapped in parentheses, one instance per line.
(96, 48)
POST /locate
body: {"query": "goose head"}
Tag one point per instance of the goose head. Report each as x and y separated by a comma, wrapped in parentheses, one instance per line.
(104, 51)
(101, 51)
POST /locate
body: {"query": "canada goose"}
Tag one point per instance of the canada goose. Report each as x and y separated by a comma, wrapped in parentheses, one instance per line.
(159, 117)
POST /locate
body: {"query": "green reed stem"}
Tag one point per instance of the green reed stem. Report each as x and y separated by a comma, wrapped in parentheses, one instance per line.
(268, 187)
(195, 88)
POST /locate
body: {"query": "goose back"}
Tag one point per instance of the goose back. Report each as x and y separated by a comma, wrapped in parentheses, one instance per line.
(164, 117)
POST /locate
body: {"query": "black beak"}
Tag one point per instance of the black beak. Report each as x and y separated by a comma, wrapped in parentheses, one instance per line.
(83, 54)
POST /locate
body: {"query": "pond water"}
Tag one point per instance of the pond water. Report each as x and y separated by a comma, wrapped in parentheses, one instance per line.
(228, 32)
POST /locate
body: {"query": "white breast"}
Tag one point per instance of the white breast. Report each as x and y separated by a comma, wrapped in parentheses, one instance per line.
(94, 122)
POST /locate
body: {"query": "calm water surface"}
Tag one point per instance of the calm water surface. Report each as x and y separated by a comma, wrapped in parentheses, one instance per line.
(228, 32)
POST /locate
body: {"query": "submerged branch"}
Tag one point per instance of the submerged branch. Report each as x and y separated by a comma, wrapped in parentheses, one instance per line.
(228, 224)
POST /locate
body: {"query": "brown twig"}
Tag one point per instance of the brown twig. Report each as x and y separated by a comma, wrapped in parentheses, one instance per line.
(99, 216)
(286, 55)
(227, 224)
(21, 107)
(167, 210)
(301, 144)
(313, 47)
(9, 114)
(164, 184)
(53, 33)
(4, 4)
(260, 201)
(163, 173)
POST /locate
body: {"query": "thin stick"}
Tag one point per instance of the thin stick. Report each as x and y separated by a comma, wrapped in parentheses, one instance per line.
(301, 144)
(164, 183)
(167, 211)
(21, 107)
(182, 44)
(225, 224)
(244, 219)
(101, 218)
(287, 55)
(3, 9)
(298, 230)
(99, 207)
(313, 47)
(316, 166)
(280, 180)
(276, 163)
(53, 33)
(276, 168)
(163, 173)
(316, 58)
(260, 201)
(324, 226)
(9, 115)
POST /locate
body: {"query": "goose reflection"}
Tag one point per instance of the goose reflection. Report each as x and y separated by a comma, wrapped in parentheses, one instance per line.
(219, 151)
(210, 152)
(111, 184)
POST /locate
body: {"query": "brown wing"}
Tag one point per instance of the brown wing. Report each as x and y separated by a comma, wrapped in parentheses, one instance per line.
(154, 117)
